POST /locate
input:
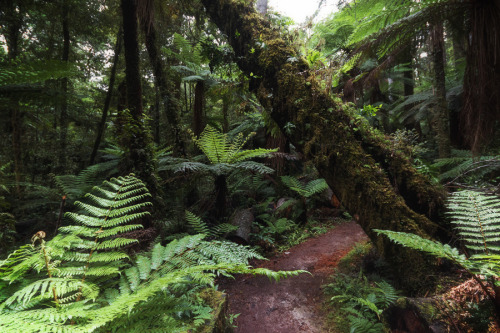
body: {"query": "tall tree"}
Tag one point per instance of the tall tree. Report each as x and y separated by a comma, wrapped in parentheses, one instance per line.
(481, 111)
(136, 141)
(371, 179)
(63, 119)
(109, 94)
(440, 114)
(13, 14)
(170, 105)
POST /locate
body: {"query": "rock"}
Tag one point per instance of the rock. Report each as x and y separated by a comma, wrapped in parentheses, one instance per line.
(243, 219)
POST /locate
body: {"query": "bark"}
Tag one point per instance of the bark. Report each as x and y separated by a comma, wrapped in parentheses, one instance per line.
(371, 179)
(155, 110)
(13, 37)
(226, 99)
(137, 141)
(109, 95)
(169, 102)
(199, 98)
(440, 115)
(481, 111)
(221, 193)
(63, 119)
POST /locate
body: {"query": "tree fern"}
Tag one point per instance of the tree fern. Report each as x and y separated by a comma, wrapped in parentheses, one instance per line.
(218, 148)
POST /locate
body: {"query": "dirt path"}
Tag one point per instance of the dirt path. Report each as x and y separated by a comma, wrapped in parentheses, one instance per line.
(292, 305)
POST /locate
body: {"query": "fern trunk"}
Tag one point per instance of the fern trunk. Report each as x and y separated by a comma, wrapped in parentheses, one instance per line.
(372, 180)
(221, 192)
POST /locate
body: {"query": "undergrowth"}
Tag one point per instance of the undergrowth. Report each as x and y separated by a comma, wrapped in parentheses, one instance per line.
(83, 280)
(356, 300)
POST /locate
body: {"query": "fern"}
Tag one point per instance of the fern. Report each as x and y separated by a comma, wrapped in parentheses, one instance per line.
(307, 190)
(465, 166)
(218, 148)
(200, 227)
(477, 219)
(75, 186)
(96, 289)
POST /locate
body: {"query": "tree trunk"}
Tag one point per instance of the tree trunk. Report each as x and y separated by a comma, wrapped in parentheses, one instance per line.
(440, 115)
(371, 179)
(481, 109)
(109, 95)
(137, 141)
(221, 193)
(63, 119)
(168, 100)
(14, 25)
(199, 98)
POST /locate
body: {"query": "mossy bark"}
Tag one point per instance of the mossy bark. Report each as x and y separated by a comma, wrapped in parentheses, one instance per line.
(371, 178)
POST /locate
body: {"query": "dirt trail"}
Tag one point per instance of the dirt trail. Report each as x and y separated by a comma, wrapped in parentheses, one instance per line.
(292, 305)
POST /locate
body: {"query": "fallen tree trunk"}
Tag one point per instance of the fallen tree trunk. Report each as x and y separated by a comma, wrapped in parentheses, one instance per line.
(370, 177)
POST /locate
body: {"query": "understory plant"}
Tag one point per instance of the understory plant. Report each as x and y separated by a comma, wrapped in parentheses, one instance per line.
(83, 280)
(225, 156)
(476, 217)
(357, 295)
(305, 191)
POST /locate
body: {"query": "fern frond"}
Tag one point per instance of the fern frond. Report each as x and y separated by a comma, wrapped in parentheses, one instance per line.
(44, 289)
(425, 245)
(477, 218)
(197, 223)
(307, 190)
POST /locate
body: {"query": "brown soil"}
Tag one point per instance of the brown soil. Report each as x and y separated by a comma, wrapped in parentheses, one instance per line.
(292, 305)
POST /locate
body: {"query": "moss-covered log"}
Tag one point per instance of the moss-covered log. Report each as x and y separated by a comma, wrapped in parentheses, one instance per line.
(368, 175)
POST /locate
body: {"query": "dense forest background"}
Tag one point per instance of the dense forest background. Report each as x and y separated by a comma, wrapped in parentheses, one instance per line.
(222, 120)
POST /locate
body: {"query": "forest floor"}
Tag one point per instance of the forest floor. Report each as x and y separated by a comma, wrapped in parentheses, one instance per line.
(294, 304)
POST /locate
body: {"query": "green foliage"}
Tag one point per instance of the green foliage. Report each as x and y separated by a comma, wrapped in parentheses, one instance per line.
(7, 231)
(224, 155)
(476, 217)
(305, 190)
(81, 281)
(200, 227)
(477, 220)
(75, 186)
(219, 149)
(360, 301)
(463, 167)
(16, 74)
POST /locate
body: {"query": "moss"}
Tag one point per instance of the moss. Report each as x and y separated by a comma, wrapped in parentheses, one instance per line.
(218, 302)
